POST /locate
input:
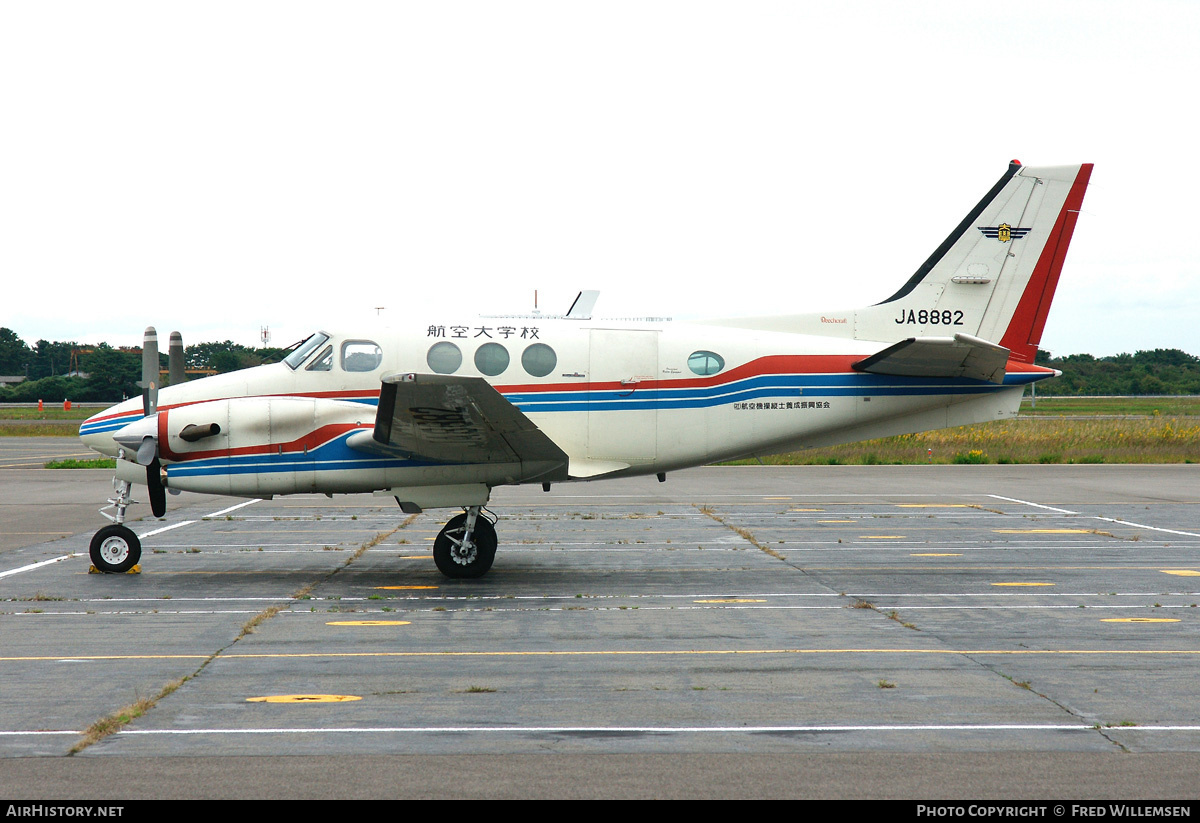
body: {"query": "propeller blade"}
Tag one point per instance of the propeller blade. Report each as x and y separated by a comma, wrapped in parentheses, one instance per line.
(158, 493)
(150, 371)
(175, 371)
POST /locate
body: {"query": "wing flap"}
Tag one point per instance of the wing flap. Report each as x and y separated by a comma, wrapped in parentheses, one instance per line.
(959, 356)
(462, 420)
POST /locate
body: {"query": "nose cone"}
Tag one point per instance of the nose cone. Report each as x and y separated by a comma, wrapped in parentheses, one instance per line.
(97, 431)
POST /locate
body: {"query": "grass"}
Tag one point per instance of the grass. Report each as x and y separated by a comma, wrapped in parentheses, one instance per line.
(1148, 406)
(55, 412)
(98, 463)
(1045, 439)
(39, 429)
(53, 421)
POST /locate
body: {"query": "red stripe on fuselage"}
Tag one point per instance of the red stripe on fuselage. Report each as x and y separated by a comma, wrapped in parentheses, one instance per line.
(771, 364)
(315, 438)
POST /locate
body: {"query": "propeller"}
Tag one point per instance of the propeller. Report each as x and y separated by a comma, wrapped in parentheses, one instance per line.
(175, 372)
(148, 451)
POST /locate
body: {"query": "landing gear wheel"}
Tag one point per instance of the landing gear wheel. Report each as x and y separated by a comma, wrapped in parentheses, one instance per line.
(453, 560)
(115, 549)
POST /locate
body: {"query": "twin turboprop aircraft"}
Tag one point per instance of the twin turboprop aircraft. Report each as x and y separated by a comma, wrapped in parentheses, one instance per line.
(437, 414)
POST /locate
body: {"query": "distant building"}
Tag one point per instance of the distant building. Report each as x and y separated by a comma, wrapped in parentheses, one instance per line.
(11, 379)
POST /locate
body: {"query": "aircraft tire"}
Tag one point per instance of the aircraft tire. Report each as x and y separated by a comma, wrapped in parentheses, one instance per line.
(485, 549)
(115, 549)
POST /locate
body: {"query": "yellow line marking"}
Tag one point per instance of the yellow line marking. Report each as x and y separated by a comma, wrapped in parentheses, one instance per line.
(777, 498)
(730, 600)
(398, 588)
(937, 554)
(1042, 531)
(1022, 584)
(932, 505)
(1181, 572)
(1139, 620)
(836, 521)
(413, 557)
(881, 537)
(368, 623)
(806, 510)
(303, 698)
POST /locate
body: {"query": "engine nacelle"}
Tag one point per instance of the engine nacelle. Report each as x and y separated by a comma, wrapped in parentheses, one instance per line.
(255, 446)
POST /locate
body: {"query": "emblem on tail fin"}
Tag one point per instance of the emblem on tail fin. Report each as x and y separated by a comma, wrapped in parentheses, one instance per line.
(1004, 232)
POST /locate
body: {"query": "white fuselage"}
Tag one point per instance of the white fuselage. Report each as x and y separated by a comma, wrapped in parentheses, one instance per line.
(619, 399)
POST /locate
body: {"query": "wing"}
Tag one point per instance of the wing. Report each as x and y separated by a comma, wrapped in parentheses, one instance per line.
(959, 356)
(459, 420)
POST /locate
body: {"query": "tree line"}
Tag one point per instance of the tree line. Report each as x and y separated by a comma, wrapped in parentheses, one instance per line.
(1158, 371)
(100, 373)
(86, 372)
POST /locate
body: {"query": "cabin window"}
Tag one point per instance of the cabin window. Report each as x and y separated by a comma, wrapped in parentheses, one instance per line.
(539, 359)
(491, 359)
(444, 358)
(323, 362)
(705, 362)
(304, 349)
(361, 355)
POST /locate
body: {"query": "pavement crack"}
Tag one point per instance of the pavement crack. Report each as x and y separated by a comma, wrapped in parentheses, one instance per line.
(1027, 685)
(745, 534)
(112, 723)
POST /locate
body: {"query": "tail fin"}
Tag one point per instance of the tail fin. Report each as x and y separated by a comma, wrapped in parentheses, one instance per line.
(995, 275)
(993, 278)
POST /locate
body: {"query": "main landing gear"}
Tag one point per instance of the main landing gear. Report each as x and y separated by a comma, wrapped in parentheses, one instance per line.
(115, 548)
(466, 546)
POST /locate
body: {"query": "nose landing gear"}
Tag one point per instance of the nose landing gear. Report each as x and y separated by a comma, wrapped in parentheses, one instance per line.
(115, 548)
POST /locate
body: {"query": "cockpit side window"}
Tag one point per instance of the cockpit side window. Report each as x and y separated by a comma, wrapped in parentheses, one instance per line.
(323, 362)
(361, 355)
(305, 349)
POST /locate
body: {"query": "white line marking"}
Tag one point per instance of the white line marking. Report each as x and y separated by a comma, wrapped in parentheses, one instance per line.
(32, 566)
(1144, 526)
(999, 727)
(233, 508)
(1035, 505)
(166, 528)
(190, 522)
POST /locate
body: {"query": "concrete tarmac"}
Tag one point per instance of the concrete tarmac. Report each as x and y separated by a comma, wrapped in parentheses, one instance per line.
(904, 632)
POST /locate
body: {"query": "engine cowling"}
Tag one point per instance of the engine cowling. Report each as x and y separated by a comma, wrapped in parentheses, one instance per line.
(255, 446)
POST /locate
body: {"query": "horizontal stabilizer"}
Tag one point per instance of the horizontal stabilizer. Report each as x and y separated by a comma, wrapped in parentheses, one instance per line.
(460, 420)
(959, 356)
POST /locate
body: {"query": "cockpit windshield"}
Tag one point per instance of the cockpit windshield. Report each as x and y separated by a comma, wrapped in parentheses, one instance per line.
(305, 349)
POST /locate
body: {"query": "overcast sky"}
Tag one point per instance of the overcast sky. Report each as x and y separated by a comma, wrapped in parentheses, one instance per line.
(218, 167)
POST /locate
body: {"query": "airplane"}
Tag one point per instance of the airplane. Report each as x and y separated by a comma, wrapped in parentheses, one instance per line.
(439, 410)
